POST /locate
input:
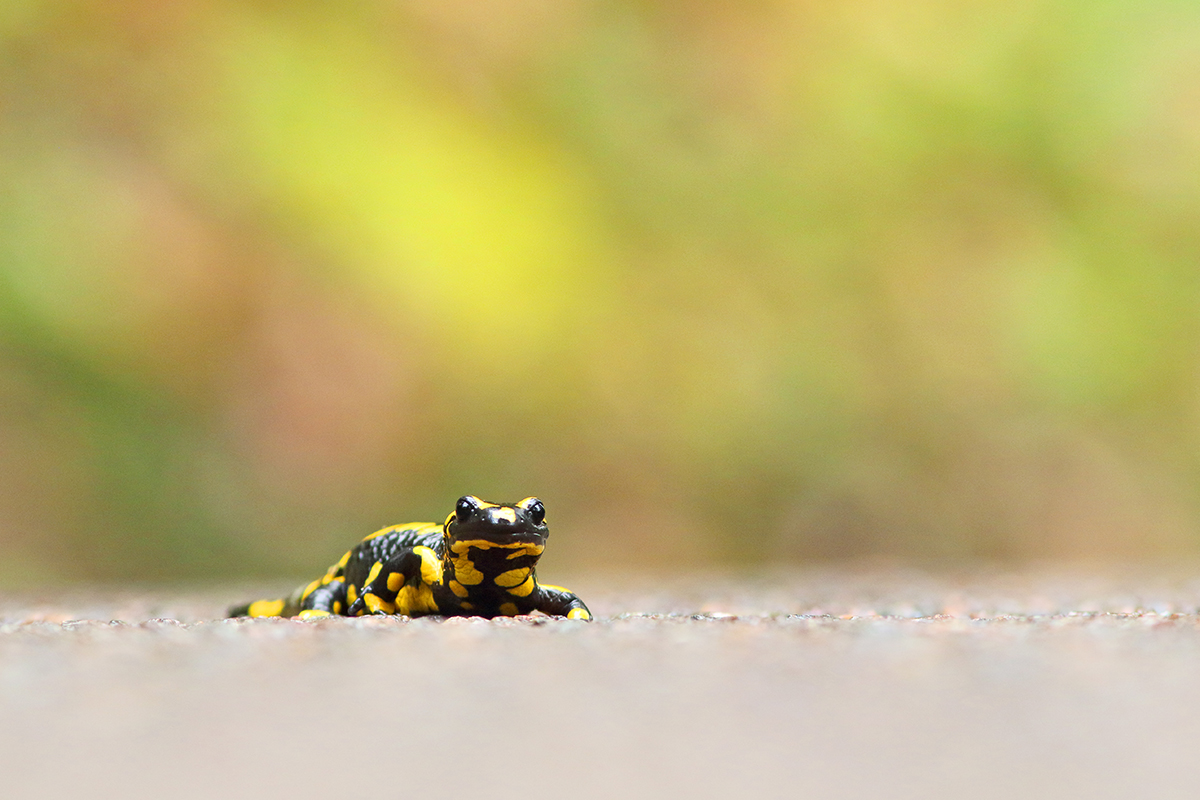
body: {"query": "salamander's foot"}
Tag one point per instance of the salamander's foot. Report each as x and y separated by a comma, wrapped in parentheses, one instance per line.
(313, 613)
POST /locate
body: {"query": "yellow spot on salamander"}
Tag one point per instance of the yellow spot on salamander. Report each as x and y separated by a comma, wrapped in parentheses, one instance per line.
(512, 577)
(467, 606)
(312, 587)
(337, 606)
(376, 568)
(415, 599)
(524, 589)
(464, 570)
(506, 514)
(578, 613)
(376, 604)
(351, 593)
(431, 565)
(533, 550)
(395, 581)
(458, 588)
(509, 609)
(265, 608)
(311, 613)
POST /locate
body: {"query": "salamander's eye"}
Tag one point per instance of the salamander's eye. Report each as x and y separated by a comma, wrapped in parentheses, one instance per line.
(536, 512)
(465, 508)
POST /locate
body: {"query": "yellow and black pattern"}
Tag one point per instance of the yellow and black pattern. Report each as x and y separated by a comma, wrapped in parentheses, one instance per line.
(481, 562)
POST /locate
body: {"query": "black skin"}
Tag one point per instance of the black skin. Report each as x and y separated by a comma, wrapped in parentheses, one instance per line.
(477, 544)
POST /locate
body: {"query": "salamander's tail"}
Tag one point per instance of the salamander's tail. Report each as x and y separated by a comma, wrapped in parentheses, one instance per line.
(266, 608)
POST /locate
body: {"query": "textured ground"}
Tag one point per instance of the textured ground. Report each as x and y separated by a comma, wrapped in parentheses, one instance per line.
(852, 685)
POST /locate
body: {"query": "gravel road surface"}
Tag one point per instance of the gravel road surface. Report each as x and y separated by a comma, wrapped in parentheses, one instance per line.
(815, 685)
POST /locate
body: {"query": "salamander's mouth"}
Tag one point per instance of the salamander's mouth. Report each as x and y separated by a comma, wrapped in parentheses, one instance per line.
(497, 536)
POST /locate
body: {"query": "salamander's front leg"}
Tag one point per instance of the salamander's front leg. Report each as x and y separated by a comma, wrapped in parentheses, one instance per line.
(558, 602)
(383, 583)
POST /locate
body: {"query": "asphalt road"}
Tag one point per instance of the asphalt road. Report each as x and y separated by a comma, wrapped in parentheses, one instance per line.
(822, 685)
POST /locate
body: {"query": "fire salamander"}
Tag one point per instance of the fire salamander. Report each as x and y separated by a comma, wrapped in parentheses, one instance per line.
(480, 562)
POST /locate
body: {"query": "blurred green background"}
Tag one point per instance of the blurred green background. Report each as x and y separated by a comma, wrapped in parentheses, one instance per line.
(727, 285)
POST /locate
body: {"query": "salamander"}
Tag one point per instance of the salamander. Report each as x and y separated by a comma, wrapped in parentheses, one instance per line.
(480, 562)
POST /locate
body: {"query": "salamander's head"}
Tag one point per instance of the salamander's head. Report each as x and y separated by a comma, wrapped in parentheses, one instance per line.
(516, 526)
